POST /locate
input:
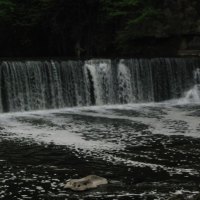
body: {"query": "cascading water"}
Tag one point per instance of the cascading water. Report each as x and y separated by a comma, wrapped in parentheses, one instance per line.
(197, 76)
(193, 95)
(124, 82)
(99, 79)
(31, 85)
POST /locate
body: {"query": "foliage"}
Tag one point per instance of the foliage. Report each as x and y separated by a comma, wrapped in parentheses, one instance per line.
(6, 10)
(90, 27)
(137, 19)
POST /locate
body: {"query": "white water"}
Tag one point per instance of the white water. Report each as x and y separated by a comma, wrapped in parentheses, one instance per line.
(197, 76)
(65, 130)
(191, 96)
(101, 139)
(109, 133)
(36, 85)
(124, 77)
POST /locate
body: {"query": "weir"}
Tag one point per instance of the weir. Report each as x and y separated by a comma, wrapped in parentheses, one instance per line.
(32, 85)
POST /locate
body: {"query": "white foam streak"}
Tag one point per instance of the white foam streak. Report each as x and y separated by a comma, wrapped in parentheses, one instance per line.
(164, 123)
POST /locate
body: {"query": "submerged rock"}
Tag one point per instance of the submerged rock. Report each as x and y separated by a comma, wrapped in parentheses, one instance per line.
(88, 182)
(196, 197)
(177, 197)
(182, 197)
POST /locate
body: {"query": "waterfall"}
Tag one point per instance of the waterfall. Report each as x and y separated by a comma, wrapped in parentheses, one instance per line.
(124, 80)
(197, 75)
(193, 94)
(32, 85)
(99, 79)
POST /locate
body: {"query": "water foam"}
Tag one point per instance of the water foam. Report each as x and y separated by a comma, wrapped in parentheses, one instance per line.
(191, 96)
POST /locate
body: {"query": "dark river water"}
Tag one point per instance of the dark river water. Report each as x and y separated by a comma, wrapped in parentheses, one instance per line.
(146, 151)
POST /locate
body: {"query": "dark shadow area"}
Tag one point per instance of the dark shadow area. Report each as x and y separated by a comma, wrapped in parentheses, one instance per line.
(4, 92)
(91, 89)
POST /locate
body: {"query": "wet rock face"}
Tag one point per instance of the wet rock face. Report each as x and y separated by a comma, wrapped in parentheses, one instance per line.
(189, 45)
(88, 182)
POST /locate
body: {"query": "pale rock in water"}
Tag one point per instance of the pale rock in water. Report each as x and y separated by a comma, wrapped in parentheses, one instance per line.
(88, 182)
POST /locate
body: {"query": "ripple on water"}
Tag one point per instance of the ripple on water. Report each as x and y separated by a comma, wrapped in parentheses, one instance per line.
(147, 152)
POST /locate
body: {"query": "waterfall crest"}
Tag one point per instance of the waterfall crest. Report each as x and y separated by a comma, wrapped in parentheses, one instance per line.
(32, 85)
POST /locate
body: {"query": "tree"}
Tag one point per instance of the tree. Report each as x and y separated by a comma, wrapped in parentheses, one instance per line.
(136, 19)
(7, 8)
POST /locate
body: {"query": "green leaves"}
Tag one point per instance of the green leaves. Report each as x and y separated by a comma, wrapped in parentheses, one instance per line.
(101, 27)
(6, 4)
(6, 10)
(135, 18)
(119, 8)
(146, 13)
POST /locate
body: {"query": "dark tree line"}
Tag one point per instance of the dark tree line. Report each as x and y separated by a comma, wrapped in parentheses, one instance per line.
(94, 28)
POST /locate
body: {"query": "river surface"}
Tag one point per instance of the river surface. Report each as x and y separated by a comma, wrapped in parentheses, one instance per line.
(146, 151)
